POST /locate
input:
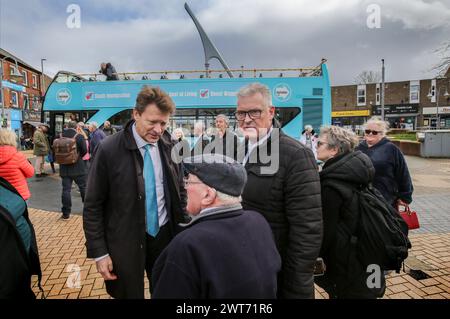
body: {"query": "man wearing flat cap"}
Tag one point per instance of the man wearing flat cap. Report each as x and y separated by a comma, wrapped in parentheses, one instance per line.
(224, 251)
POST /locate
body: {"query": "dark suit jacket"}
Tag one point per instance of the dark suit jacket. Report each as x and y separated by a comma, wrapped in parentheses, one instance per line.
(114, 208)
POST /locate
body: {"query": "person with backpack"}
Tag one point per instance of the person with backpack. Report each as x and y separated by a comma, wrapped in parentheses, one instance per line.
(19, 254)
(392, 176)
(360, 227)
(69, 152)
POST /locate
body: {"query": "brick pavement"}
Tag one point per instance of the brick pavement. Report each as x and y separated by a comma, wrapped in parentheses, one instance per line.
(61, 246)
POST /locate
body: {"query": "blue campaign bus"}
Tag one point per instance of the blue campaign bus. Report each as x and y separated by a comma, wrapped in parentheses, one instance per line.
(301, 96)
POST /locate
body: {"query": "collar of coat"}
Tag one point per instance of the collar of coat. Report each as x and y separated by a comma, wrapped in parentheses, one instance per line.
(165, 140)
(214, 211)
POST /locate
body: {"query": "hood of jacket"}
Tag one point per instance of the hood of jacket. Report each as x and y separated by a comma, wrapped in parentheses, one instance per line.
(354, 168)
(6, 153)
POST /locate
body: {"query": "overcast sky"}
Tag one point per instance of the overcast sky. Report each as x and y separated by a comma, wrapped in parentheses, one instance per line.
(145, 35)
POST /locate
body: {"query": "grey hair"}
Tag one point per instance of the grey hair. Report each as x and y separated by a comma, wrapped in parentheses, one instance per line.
(199, 123)
(72, 124)
(228, 198)
(340, 138)
(383, 125)
(224, 117)
(255, 88)
(93, 124)
(178, 129)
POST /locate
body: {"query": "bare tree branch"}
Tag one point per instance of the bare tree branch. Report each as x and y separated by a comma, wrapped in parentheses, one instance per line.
(366, 77)
(443, 67)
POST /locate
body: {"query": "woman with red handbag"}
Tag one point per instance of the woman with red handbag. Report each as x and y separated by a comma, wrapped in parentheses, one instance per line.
(392, 176)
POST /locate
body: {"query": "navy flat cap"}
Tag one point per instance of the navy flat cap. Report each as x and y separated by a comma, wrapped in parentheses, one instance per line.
(219, 172)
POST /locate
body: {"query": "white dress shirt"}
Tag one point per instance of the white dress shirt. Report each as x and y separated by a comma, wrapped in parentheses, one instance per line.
(252, 146)
(159, 178)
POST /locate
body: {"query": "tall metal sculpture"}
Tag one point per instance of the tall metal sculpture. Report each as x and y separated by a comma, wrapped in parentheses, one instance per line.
(209, 48)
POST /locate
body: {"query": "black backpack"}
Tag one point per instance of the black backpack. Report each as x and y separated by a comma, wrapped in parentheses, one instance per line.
(380, 235)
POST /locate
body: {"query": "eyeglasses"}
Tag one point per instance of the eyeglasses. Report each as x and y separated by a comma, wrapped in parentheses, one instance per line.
(319, 143)
(253, 114)
(188, 182)
(373, 132)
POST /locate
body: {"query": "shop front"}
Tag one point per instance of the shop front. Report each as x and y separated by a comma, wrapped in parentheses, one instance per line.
(31, 120)
(402, 116)
(430, 115)
(353, 120)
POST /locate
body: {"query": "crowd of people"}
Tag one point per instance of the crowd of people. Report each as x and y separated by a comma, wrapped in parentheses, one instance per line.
(223, 217)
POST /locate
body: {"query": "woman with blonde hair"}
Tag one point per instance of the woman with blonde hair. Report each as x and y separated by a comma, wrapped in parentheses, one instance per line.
(81, 131)
(14, 167)
(392, 176)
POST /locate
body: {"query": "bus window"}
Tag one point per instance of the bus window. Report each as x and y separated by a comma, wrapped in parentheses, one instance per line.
(119, 120)
(285, 114)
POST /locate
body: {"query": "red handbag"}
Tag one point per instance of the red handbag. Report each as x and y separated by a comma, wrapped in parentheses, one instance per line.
(410, 217)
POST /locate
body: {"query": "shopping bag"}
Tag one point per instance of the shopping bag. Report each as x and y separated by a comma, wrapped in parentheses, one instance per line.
(410, 217)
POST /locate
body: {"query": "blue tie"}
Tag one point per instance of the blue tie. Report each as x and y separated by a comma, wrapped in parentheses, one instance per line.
(151, 205)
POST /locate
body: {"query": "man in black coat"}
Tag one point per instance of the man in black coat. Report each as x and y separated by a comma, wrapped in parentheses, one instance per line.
(135, 197)
(225, 252)
(76, 172)
(224, 142)
(283, 185)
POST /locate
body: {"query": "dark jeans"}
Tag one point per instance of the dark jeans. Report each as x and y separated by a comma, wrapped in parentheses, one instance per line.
(154, 248)
(67, 187)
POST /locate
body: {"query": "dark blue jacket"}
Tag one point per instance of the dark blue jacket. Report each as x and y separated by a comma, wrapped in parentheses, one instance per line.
(392, 177)
(95, 138)
(227, 255)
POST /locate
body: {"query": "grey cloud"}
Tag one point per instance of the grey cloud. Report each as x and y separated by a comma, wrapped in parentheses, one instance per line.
(261, 34)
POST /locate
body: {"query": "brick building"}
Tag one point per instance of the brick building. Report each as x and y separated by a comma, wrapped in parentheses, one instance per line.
(21, 99)
(408, 104)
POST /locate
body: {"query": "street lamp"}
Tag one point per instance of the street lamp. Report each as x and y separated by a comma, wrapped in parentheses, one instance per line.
(429, 95)
(42, 77)
(15, 75)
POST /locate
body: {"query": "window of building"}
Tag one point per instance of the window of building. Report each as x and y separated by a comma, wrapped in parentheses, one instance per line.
(25, 77)
(26, 102)
(12, 70)
(378, 94)
(14, 99)
(414, 91)
(35, 81)
(433, 91)
(361, 95)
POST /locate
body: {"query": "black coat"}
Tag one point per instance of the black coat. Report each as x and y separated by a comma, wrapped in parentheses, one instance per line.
(346, 173)
(199, 147)
(228, 255)
(289, 199)
(16, 265)
(227, 145)
(114, 208)
(79, 168)
(392, 177)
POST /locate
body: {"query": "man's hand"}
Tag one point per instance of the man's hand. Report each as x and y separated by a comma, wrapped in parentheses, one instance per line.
(402, 203)
(105, 268)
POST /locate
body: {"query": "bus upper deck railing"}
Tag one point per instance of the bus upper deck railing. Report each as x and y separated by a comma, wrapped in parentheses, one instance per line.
(63, 76)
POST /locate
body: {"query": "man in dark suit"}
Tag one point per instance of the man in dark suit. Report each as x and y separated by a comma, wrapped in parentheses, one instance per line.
(135, 197)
